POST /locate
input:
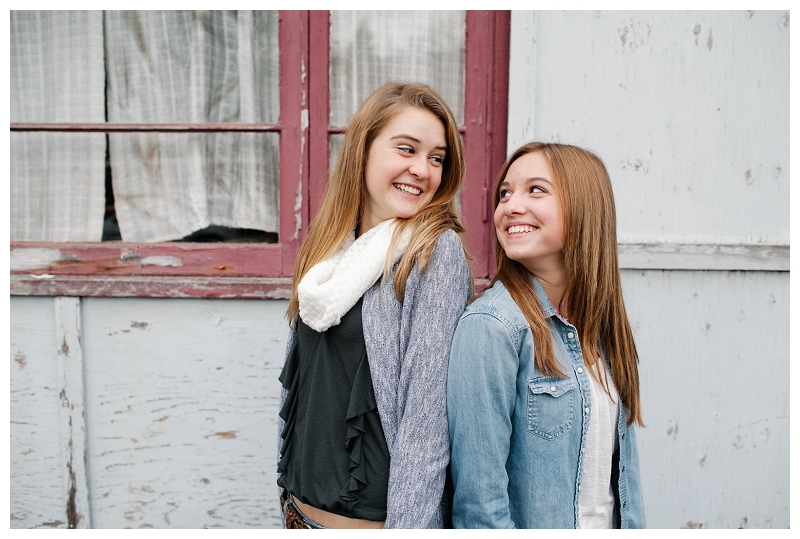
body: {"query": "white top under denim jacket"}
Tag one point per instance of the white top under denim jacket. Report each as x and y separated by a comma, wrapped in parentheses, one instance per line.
(518, 437)
(408, 346)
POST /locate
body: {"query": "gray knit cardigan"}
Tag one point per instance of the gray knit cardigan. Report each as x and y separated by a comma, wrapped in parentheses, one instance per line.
(408, 348)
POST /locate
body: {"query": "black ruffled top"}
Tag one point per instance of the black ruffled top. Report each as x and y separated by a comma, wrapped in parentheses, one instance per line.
(334, 454)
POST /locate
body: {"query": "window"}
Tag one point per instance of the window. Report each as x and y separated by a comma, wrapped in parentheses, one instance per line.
(286, 138)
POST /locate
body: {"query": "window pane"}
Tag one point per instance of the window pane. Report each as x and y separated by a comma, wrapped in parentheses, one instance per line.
(370, 48)
(335, 146)
(169, 185)
(193, 67)
(57, 75)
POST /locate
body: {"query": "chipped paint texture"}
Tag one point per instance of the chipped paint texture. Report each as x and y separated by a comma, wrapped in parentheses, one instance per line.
(161, 261)
(181, 405)
(37, 257)
(688, 110)
(36, 473)
(183, 410)
(714, 364)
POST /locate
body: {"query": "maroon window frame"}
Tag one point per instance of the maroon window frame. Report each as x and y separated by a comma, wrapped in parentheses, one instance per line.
(258, 270)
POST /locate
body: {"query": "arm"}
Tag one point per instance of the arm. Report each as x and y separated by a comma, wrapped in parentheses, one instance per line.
(421, 447)
(481, 392)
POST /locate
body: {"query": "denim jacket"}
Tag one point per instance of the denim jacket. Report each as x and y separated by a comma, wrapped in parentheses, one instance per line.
(517, 437)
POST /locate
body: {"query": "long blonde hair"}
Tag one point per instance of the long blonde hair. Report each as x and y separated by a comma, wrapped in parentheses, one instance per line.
(593, 294)
(346, 192)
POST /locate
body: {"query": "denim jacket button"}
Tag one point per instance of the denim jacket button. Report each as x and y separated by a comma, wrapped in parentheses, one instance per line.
(580, 370)
(582, 451)
(586, 410)
(624, 504)
(570, 335)
(622, 469)
(553, 389)
(623, 435)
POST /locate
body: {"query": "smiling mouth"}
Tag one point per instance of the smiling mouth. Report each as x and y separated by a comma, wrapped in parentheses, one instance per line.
(520, 229)
(407, 189)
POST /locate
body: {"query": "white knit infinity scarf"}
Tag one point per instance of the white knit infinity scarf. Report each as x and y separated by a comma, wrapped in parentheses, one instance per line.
(333, 286)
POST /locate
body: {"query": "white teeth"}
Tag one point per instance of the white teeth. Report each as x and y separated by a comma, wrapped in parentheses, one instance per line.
(519, 228)
(408, 189)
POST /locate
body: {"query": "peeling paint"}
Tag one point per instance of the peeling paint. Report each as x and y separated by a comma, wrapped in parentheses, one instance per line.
(139, 325)
(673, 431)
(33, 258)
(172, 261)
(127, 255)
(21, 360)
(737, 442)
(636, 164)
(225, 434)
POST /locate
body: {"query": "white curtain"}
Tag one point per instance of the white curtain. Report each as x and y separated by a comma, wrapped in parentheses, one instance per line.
(57, 185)
(370, 48)
(192, 67)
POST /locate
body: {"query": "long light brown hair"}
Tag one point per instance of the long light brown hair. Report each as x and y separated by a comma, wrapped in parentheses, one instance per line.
(346, 192)
(593, 296)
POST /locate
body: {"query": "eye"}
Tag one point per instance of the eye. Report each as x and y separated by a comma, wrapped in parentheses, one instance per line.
(437, 159)
(406, 149)
(504, 193)
(537, 189)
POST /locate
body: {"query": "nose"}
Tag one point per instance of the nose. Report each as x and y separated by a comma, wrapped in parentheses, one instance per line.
(420, 167)
(513, 205)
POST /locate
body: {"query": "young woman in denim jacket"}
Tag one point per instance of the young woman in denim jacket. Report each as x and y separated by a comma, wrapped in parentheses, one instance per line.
(379, 284)
(543, 386)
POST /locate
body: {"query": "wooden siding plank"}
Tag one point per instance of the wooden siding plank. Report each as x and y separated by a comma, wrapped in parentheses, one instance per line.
(714, 368)
(712, 257)
(182, 400)
(151, 286)
(73, 426)
(37, 475)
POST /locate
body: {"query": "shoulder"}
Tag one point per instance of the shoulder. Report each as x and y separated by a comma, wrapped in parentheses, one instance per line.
(496, 306)
(447, 269)
(449, 248)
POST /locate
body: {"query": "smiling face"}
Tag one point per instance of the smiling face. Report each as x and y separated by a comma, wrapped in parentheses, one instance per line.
(404, 167)
(528, 219)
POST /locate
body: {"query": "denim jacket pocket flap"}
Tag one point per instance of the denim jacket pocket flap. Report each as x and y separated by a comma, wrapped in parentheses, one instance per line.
(550, 406)
(551, 385)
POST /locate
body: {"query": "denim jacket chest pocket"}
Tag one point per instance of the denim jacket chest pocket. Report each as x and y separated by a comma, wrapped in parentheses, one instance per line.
(550, 406)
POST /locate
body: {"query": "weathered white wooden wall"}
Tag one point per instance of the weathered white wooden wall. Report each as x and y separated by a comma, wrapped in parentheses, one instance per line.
(689, 111)
(180, 399)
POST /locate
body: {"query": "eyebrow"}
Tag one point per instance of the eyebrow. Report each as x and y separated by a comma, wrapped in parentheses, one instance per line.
(415, 139)
(530, 180)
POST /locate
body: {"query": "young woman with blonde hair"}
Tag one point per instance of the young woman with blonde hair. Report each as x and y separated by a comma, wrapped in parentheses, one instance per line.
(379, 284)
(543, 384)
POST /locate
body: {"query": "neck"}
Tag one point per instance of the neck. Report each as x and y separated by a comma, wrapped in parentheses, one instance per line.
(554, 283)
